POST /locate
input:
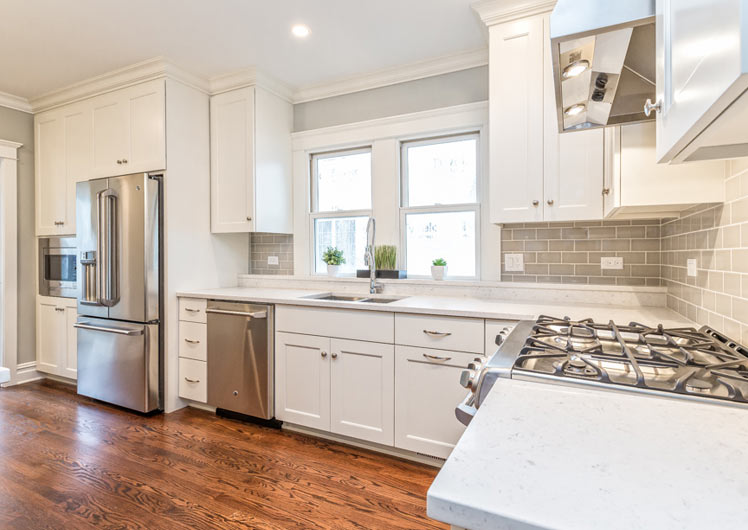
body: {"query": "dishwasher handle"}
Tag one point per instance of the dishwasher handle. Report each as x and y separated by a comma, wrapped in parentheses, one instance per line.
(256, 314)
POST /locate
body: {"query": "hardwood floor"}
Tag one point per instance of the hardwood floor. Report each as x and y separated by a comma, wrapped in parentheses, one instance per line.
(69, 462)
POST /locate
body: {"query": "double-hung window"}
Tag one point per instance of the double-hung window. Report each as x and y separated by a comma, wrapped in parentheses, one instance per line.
(440, 213)
(340, 206)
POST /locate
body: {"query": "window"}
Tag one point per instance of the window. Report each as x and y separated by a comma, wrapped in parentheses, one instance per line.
(341, 206)
(440, 204)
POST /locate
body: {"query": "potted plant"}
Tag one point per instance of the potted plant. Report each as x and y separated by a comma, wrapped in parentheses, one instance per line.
(334, 259)
(438, 269)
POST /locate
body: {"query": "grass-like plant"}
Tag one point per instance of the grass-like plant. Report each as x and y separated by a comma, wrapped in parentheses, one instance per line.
(385, 257)
(439, 262)
(333, 256)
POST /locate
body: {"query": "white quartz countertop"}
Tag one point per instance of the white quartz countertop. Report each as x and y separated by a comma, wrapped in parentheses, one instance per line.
(547, 456)
(454, 306)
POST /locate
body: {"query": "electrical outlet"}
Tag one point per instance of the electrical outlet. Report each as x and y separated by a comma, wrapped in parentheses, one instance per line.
(514, 263)
(611, 263)
(691, 267)
(272, 260)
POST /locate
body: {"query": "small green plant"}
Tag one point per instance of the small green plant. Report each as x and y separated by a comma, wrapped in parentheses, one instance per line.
(439, 262)
(333, 256)
(385, 257)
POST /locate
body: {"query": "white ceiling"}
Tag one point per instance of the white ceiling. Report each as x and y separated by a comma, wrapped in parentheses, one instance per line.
(49, 44)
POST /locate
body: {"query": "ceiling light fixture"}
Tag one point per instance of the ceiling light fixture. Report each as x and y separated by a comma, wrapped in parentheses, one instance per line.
(575, 68)
(300, 30)
(575, 109)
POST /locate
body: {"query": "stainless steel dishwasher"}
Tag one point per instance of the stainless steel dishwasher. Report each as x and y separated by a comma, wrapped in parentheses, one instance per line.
(240, 358)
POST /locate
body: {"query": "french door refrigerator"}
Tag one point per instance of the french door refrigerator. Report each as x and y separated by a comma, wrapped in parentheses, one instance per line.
(119, 230)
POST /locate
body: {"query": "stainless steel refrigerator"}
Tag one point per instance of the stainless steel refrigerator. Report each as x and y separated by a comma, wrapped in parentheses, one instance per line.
(119, 230)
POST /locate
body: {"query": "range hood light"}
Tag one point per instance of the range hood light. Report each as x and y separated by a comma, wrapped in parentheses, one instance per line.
(575, 109)
(575, 69)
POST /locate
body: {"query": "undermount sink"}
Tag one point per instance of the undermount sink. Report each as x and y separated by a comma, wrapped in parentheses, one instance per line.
(332, 297)
(381, 300)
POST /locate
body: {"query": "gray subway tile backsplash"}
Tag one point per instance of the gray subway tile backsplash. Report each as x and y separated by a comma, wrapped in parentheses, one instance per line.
(262, 245)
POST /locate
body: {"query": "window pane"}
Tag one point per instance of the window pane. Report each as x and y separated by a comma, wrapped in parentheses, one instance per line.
(346, 233)
(442, 173)
(448, 235)
(343, 182)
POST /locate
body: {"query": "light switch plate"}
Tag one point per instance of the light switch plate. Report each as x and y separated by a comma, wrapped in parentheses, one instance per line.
(691, 267)
(611, 263)
(272, 260)
(514, 263)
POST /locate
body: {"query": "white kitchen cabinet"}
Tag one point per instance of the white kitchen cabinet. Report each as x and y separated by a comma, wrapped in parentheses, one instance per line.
(427, 390)
(702, 76)
(536, 173)
(129, 130)
(56, 338)
(250, 162)
(302, 380)
(362, 379)
(62, 158)
(636, 186)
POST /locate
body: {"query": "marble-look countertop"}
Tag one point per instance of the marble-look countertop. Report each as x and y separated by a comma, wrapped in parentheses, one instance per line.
(454, 306)
(542, 456)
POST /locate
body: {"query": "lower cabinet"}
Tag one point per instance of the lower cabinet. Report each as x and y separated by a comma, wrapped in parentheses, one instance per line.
(427, 390)
(342, 386)
(56, 338)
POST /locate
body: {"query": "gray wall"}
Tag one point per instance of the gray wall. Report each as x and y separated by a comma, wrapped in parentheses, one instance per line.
(19, 127)
(456, 88)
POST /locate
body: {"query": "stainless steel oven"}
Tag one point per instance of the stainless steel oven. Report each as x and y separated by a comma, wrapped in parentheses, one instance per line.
(58, 267)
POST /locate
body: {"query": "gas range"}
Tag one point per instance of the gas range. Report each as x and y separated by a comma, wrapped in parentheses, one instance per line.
(677, 362)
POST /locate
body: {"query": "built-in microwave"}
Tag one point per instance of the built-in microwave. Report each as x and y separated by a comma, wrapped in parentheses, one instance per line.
(58, 267)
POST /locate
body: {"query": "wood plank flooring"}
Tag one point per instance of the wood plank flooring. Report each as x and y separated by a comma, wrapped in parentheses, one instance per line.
(70, 462)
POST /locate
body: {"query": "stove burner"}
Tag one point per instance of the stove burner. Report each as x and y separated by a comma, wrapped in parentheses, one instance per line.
(699, 386)
(576, 362)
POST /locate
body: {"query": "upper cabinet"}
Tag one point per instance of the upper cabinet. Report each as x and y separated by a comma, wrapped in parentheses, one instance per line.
(129, 130)
(702, 76)
(250, 162)
(536, 174)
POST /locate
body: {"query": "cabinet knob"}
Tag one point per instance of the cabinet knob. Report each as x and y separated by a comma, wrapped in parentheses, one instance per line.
(649, 107)
(535, 202)
(124, 161)
(334, 355)
(61, 309)
(324, 354)
(249, 218)
(606, 191)
(550, 202)
(119, 162)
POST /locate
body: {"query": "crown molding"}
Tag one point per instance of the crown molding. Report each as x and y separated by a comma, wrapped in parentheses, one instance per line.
(391, 76)
(15, 102)
(498, 11)
(249, 77)
(9, 149)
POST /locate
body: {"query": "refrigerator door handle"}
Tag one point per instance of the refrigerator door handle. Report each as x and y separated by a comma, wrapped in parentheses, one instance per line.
(118, 331)
(106, 248)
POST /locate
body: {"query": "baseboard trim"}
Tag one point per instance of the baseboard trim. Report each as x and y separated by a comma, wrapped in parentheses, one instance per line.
(391, 451)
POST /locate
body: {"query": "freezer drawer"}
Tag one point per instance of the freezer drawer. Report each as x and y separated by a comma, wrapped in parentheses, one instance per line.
(118, 362)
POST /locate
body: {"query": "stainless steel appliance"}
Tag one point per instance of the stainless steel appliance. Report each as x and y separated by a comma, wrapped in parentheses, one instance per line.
(119, 225)
(58, 267)
(240, 358)
(603, 56)
(678, 363)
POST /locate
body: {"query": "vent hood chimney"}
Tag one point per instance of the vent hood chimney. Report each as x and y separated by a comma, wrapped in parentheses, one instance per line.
(603, 62)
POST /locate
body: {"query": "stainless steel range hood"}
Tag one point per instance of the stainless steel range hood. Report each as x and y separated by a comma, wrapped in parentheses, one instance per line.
(603, 61)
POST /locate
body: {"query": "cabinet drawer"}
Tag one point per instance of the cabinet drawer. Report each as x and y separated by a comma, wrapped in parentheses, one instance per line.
(193, 339)
(371, 326)
(193, 310)
(193, 380)
(444, 333)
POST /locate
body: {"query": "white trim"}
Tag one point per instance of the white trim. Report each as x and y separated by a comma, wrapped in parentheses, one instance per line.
(499, 11)
(9, 259)
(249, 77)
(25, 373)
(9, 150)
(14, 102)
(393, 75)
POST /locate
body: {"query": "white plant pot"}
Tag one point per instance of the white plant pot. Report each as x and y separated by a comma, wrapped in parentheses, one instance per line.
(438, 272)
(332, 270)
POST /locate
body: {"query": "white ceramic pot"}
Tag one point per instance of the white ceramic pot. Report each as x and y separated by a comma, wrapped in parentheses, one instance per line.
(438, 272)
(332, 270)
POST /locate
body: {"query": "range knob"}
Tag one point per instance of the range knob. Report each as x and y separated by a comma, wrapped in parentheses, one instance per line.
(468, 379)
(475, 365)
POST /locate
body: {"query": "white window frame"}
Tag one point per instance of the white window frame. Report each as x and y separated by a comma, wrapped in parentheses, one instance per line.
(439, 208)
(314, 214)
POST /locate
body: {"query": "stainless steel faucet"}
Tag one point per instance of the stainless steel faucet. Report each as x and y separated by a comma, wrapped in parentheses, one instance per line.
(374, 285)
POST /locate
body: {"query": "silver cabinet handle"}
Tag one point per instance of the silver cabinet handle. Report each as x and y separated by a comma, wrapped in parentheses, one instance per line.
(191, 341)
(249, 218)
(436, 357)
(256, 314)
(334, 355)
(535, 202)
(436, 333)
(191, 380)
(323, 354)
(118, 331)
(606, 191)
(190, 310)
(649, 107)
(61, 309)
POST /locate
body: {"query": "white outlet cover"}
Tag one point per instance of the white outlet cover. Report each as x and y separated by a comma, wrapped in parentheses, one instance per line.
(514, 262)
(611, 263)
(691, 267)
(272, 260)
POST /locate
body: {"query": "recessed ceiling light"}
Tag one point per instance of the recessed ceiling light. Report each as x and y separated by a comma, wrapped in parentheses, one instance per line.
(575, 109)
(575, 68)
(300, 30)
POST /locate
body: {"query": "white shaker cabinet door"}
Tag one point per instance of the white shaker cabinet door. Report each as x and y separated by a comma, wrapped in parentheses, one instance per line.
(302, 380)
(51, 185)
(362, 390)
(51, 337)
